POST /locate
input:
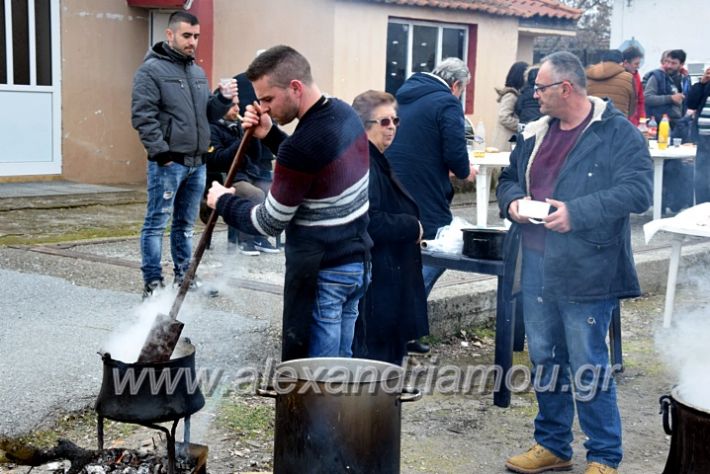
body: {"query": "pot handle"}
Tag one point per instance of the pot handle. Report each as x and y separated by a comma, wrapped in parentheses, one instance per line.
(413, 394)
(667, 412)
(267, 392)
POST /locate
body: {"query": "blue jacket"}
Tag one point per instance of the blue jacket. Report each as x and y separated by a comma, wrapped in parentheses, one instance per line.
(430, 141)
(606, 176)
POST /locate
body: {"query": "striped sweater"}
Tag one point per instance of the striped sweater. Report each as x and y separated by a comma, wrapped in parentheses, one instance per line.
(320, 188)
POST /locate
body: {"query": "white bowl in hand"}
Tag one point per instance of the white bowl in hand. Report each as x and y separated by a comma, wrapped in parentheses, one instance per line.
(534, 209)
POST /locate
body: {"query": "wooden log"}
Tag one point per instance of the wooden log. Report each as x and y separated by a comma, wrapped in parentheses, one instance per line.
(23, 454)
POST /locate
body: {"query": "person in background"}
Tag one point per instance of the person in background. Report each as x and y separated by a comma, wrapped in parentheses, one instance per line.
(664, 94)
(319, 195)
(507, 121)
(632, 61)
(609, 79)
(527, 107)
(698, 101)
(394, 309)
(173, 126)
(226, 136)
(587, 161)
(430, 144)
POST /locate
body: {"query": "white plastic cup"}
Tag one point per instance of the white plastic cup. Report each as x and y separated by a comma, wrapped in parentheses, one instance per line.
(225, 82)
(677, 142)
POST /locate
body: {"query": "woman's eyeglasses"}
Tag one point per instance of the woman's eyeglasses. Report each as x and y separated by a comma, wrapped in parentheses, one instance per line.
(386, 121)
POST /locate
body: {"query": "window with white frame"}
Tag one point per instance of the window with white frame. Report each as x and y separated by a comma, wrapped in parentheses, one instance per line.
(416, 46)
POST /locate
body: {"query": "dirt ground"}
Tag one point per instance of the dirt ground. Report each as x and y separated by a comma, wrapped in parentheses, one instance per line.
(441, 433)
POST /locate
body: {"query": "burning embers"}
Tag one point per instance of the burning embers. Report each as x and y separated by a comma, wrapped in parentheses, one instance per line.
(148, 461)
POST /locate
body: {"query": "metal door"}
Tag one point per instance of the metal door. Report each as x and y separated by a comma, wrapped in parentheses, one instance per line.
(30, 80)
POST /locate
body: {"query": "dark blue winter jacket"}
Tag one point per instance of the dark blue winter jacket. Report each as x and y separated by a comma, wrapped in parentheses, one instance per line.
(430, 141)
(606, 176)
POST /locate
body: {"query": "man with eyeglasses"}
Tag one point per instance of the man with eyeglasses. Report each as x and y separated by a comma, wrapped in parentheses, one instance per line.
(592, 166)
(430, 146)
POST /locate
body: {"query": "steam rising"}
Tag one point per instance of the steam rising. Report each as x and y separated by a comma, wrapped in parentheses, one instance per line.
(126, 342)
(685, 348)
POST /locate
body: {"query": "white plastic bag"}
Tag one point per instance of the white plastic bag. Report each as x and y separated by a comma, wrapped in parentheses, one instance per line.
(449, 239)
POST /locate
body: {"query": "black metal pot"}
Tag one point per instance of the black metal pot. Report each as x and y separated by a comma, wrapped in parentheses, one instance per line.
(485, 244)
(689, 427)
(338, 415)
(150, 392)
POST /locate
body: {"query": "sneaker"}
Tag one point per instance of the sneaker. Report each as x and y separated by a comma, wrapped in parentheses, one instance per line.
(537, 459)
(248, 248)
(599, 468)
(197, 285)
(418, 347)
(151, 287)
(263, 245)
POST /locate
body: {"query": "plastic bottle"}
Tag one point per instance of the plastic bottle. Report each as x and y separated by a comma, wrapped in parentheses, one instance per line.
(642, 127)
(652, 129)
(664, 133)
(479, 146)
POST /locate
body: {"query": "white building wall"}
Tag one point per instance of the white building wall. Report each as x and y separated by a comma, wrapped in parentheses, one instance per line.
(663, 24)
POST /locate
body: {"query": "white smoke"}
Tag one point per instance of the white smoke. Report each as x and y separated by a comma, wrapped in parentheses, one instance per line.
(685, 348)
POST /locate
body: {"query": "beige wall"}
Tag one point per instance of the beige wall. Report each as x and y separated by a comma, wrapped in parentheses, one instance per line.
(244, 27)
(103, 42)
(525, 48)
(346, 40)
(361, 40)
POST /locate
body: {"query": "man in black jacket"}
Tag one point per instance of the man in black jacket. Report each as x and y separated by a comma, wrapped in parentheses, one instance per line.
(698, 101)
(253, 179)
(170, 105)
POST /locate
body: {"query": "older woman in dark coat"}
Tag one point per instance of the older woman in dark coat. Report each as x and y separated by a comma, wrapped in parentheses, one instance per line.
(394, 309)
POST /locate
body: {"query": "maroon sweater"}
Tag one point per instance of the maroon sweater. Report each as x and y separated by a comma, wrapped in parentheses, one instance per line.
(544, 172)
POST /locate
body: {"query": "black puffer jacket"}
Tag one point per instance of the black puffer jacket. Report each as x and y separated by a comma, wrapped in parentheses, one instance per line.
(170, 106)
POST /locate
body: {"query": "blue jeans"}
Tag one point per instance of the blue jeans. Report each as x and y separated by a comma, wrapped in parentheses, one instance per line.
(336, 308)
(702, 170)
(173, 191)
(567, 347)
(431, 275)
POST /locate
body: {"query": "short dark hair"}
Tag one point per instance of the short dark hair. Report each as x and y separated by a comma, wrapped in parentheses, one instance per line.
(631, 53)
(612, 55)
(182, 17)
(365, 103)
(282, 64)
(678, 54)
(516, 75)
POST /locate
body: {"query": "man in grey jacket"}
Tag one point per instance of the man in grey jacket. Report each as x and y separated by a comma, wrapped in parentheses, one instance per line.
(170, 105)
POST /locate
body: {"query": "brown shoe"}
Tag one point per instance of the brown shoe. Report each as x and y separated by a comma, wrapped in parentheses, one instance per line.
(598, 468)
(537, 459)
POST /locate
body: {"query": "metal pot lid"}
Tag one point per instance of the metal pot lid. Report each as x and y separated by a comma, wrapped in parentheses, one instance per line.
(338, 369)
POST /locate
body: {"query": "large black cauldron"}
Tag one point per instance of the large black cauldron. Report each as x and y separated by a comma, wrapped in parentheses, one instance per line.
(689, 427)
(150, 392)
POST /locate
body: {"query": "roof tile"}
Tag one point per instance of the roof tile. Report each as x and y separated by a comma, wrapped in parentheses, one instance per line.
(518, 8)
